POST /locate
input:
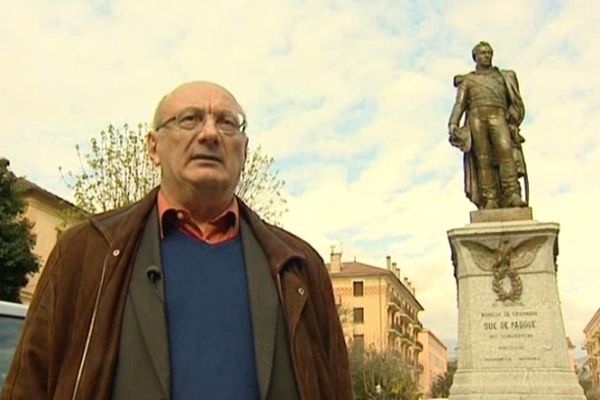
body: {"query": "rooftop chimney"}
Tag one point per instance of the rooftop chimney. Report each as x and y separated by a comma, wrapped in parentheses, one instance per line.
(396, 270)
(388, 262)
(336, 261)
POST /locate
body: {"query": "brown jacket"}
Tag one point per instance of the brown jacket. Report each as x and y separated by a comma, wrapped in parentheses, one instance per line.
(70, 343)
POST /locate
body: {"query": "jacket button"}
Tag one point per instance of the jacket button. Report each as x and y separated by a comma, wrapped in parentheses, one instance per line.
(116, 252)
(301, 291)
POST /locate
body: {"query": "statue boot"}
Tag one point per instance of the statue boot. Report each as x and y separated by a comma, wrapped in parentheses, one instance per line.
(488, 189)
(511, 189)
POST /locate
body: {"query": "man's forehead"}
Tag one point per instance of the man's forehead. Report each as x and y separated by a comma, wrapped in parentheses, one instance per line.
(200, 94)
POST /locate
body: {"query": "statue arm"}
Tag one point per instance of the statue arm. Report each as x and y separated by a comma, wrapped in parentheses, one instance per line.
(460, 104)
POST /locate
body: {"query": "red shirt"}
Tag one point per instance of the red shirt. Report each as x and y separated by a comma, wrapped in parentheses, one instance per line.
(221, 228)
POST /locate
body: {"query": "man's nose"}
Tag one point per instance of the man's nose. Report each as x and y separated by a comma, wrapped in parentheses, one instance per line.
(208, 131)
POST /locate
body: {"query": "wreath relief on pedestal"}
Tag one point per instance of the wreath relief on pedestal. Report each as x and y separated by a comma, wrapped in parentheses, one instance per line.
(504, 261)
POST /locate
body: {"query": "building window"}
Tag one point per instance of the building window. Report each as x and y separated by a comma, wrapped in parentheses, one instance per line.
(359, 315)
(359, 341)
(357, 288)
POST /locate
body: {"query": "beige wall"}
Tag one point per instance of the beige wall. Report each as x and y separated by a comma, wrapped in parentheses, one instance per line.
(592, 346)
(571, 355)
(45, 214)
(433, 358)
(373, 303)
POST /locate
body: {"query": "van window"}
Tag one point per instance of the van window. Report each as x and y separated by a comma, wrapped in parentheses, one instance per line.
(10, 330)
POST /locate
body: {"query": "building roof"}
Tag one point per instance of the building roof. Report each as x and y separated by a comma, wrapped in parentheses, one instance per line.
(358, 268)
(355, 268)
(595, 321)
(434, 336)
(29, 187)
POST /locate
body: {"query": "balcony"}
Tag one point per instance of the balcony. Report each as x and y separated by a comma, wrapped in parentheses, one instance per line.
(407, 317)
(395, 329)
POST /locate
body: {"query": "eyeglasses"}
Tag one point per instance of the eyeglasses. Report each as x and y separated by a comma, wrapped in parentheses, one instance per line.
(226, 122)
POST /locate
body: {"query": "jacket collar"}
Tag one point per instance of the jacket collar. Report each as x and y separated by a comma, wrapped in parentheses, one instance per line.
(120, 225)
(279, 252)
(123, 223)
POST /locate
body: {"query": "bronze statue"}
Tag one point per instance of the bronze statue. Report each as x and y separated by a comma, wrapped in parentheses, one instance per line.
(490, 100)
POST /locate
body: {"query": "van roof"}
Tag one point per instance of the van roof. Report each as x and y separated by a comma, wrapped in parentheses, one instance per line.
(12, 309)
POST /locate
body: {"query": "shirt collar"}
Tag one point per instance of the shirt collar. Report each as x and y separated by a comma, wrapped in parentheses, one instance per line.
(223, 227)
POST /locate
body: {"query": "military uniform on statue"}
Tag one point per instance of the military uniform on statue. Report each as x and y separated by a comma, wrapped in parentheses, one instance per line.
(490, 100)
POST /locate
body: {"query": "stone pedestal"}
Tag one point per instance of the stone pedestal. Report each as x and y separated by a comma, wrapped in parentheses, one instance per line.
(511, 337)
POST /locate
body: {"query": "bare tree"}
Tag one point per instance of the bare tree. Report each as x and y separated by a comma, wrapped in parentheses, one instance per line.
(116, 171)
(261, 188)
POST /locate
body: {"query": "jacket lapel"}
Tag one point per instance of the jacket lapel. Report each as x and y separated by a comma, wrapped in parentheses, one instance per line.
(147, 297)
(263, 305)
(277, 251)
(285, 264)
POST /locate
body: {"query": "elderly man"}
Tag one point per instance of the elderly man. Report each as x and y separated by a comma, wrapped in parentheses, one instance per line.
(186, 294)
(490, 99)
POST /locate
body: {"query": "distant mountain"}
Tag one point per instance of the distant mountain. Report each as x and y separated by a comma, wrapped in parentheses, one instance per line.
(452, 346)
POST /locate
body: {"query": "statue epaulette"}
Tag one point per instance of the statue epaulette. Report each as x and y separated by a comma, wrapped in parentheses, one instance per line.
(458, 79)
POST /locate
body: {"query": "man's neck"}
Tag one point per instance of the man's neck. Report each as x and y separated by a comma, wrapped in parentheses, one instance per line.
(202, 206)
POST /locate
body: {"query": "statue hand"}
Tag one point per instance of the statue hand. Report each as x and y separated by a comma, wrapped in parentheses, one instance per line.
(452, 130)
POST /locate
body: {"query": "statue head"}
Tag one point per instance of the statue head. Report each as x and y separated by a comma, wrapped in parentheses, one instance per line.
(482, 54)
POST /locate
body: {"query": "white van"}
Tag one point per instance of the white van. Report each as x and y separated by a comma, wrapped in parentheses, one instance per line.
(12, 316)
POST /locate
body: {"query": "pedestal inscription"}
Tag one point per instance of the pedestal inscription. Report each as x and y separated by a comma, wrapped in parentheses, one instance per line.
(512, 342)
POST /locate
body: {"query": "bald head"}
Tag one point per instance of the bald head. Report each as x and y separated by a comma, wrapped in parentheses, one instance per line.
(196, 90)
(199, 143)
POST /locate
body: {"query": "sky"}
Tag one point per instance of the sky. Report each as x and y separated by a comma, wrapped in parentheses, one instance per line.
(352, 100)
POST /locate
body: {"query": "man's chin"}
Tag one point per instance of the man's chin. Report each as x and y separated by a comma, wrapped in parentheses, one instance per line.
(209, 180)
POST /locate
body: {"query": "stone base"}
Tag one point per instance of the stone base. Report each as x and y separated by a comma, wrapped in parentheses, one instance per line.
(511, 338)
(502, 214)
(518, 384)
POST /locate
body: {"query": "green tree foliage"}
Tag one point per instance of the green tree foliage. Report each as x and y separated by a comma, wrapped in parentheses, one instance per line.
(116, 171)
(381, 375)
(442, 383)
(16, 239)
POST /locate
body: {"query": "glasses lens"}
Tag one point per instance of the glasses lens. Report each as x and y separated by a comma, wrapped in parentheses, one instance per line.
(229, 123)
(190, 118)
(226, 122)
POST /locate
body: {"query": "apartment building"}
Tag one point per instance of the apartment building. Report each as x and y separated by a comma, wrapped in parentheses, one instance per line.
(592, 346)
(377, 308)
(433, 359)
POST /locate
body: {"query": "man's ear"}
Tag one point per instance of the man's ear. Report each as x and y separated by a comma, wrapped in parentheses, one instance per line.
(151, 145)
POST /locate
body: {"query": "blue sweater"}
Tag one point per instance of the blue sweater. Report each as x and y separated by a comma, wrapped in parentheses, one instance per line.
(209, 324)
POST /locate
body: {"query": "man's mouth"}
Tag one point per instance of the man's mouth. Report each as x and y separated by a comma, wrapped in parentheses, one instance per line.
(206, 157)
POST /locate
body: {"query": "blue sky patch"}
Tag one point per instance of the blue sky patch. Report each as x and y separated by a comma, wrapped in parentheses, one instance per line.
(356, 116)
(101, 7)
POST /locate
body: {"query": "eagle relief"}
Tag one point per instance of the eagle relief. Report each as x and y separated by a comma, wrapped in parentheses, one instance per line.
(504, 261)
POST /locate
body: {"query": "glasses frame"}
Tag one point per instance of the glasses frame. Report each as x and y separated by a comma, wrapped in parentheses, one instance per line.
(241, 127)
